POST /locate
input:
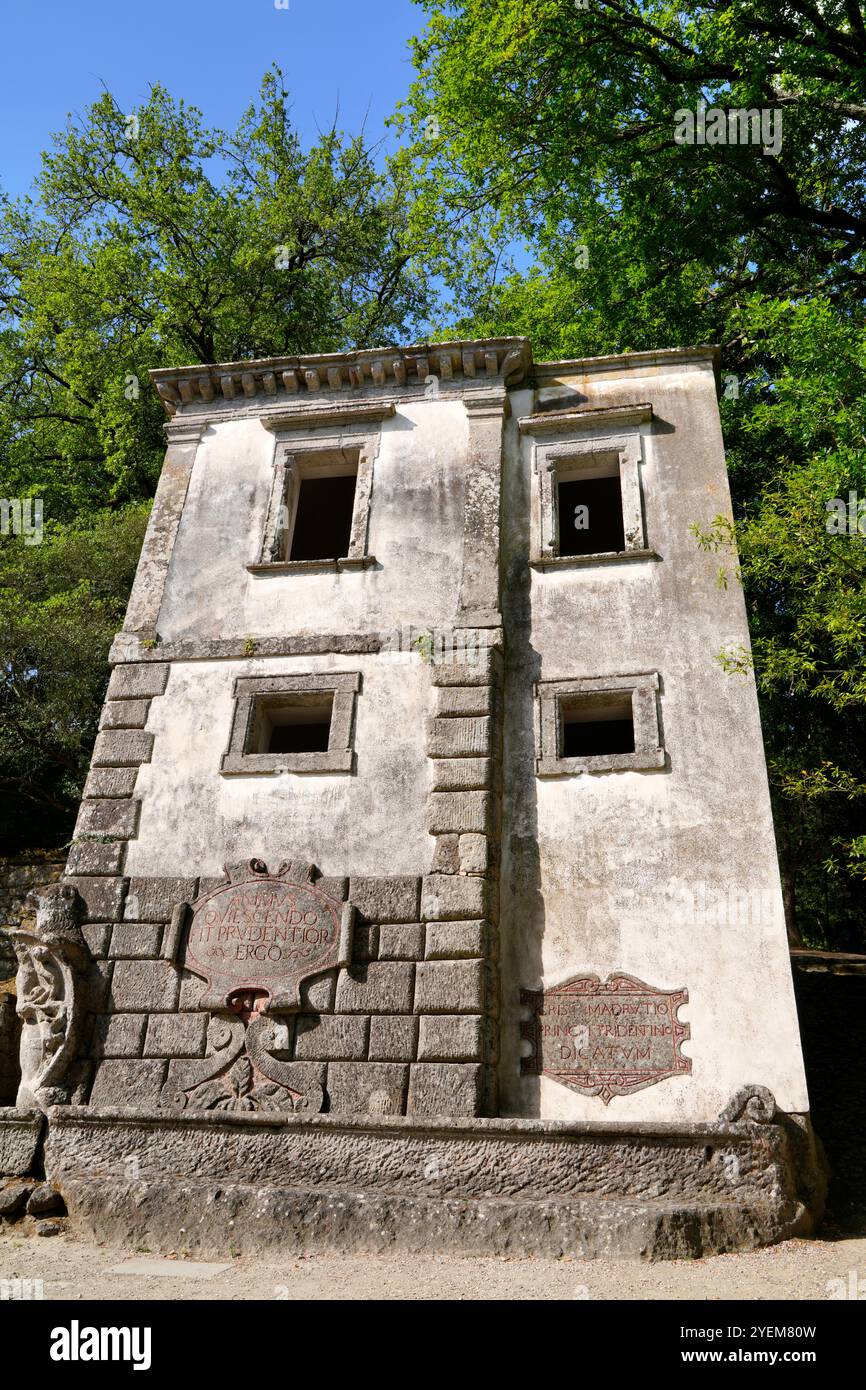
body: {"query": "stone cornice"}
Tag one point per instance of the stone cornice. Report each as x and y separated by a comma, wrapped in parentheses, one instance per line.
(611, 416)
(323, 376)
(338, 413)
(664, 359)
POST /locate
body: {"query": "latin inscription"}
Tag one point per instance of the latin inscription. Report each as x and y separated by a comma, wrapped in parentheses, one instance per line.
(604, 1038)
(264, 933)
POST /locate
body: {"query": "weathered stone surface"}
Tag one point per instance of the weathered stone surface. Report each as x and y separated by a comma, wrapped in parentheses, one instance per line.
(95, 857)
(461, 774)
(446, 855)
(291, 1221)
(365, 942)
(445, 897)
(14, 1195)
(451, 1038)
(462, 701)
(446, 1088)
(209, 885)
(239, 1089)
(112, 816)
(52, 995)
(122, 748)
(367, 1088)
(97, 935)
(128, 1084)
(459, 738)
(49, 1228)
(385, 899)
(100, 984)
(135, 942)
(176, 1035)
(476, 672)
(110, 781)
(335, 887)
(192, 987)
(331, 1037)
(474, 856)
(10, 1045)
(148, 590)
(458, 812)
(450, 987)
(383, 987)
(405, 941)
(45, 1200)
(145, 984)
(318, 995)
(393, 1039)
(118, 1035)
(124, 714)
(500, 1185)
(154, 899)
(138, 681)
(456, 940)
(103, 897)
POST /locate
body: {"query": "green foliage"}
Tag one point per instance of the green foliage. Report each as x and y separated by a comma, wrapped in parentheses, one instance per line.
(60, 604)
(151, 240)
(539, 123)
(543, 132)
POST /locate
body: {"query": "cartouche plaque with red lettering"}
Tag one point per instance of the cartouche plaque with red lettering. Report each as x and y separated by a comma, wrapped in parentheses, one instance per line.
(266, 933)
(604, 1038)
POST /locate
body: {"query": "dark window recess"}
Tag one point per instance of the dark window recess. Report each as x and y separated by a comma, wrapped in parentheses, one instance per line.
(293, 728)
(590, 516)
(589, 731)
(323, 520)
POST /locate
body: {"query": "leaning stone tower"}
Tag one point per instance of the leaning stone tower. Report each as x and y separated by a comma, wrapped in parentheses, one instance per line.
(425, 867)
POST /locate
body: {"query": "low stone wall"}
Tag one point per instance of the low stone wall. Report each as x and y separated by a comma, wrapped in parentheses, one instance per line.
(209, 1181)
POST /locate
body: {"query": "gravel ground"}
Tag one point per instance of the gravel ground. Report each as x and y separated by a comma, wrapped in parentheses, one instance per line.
(796, 1270)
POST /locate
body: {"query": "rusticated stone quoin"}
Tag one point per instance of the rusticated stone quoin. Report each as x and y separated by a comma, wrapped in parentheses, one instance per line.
(137, 682)
(122, 748)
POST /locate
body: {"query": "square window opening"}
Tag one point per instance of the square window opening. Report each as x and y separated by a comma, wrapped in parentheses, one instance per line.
(292, 726)
(592, 728)
(590, 508)
(322, 528)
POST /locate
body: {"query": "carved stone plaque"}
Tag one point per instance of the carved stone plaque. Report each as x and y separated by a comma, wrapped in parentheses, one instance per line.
(265, 933)
(604, 1038)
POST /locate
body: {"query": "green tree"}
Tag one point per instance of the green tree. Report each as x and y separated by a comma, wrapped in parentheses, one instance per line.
(555, 200)
(60, 604)
(152, 240)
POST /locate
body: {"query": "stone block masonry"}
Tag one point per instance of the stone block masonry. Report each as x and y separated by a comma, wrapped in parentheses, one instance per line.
(109, 815)
(422, 1000)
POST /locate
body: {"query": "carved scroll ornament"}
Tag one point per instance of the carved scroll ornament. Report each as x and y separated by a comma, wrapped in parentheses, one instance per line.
(51, 983)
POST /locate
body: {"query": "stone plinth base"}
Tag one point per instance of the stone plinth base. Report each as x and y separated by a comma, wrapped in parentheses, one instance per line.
(214, 1184)
(20, 1132)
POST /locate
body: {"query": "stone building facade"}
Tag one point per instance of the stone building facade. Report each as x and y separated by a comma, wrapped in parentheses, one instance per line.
(423, 812)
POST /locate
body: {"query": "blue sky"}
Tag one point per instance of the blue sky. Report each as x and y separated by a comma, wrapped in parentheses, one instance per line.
(60, 54)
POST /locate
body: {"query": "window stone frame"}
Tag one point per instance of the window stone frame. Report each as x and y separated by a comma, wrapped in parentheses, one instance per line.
(306, 446)
(649, 752)
(247, 690)
(579, 441)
